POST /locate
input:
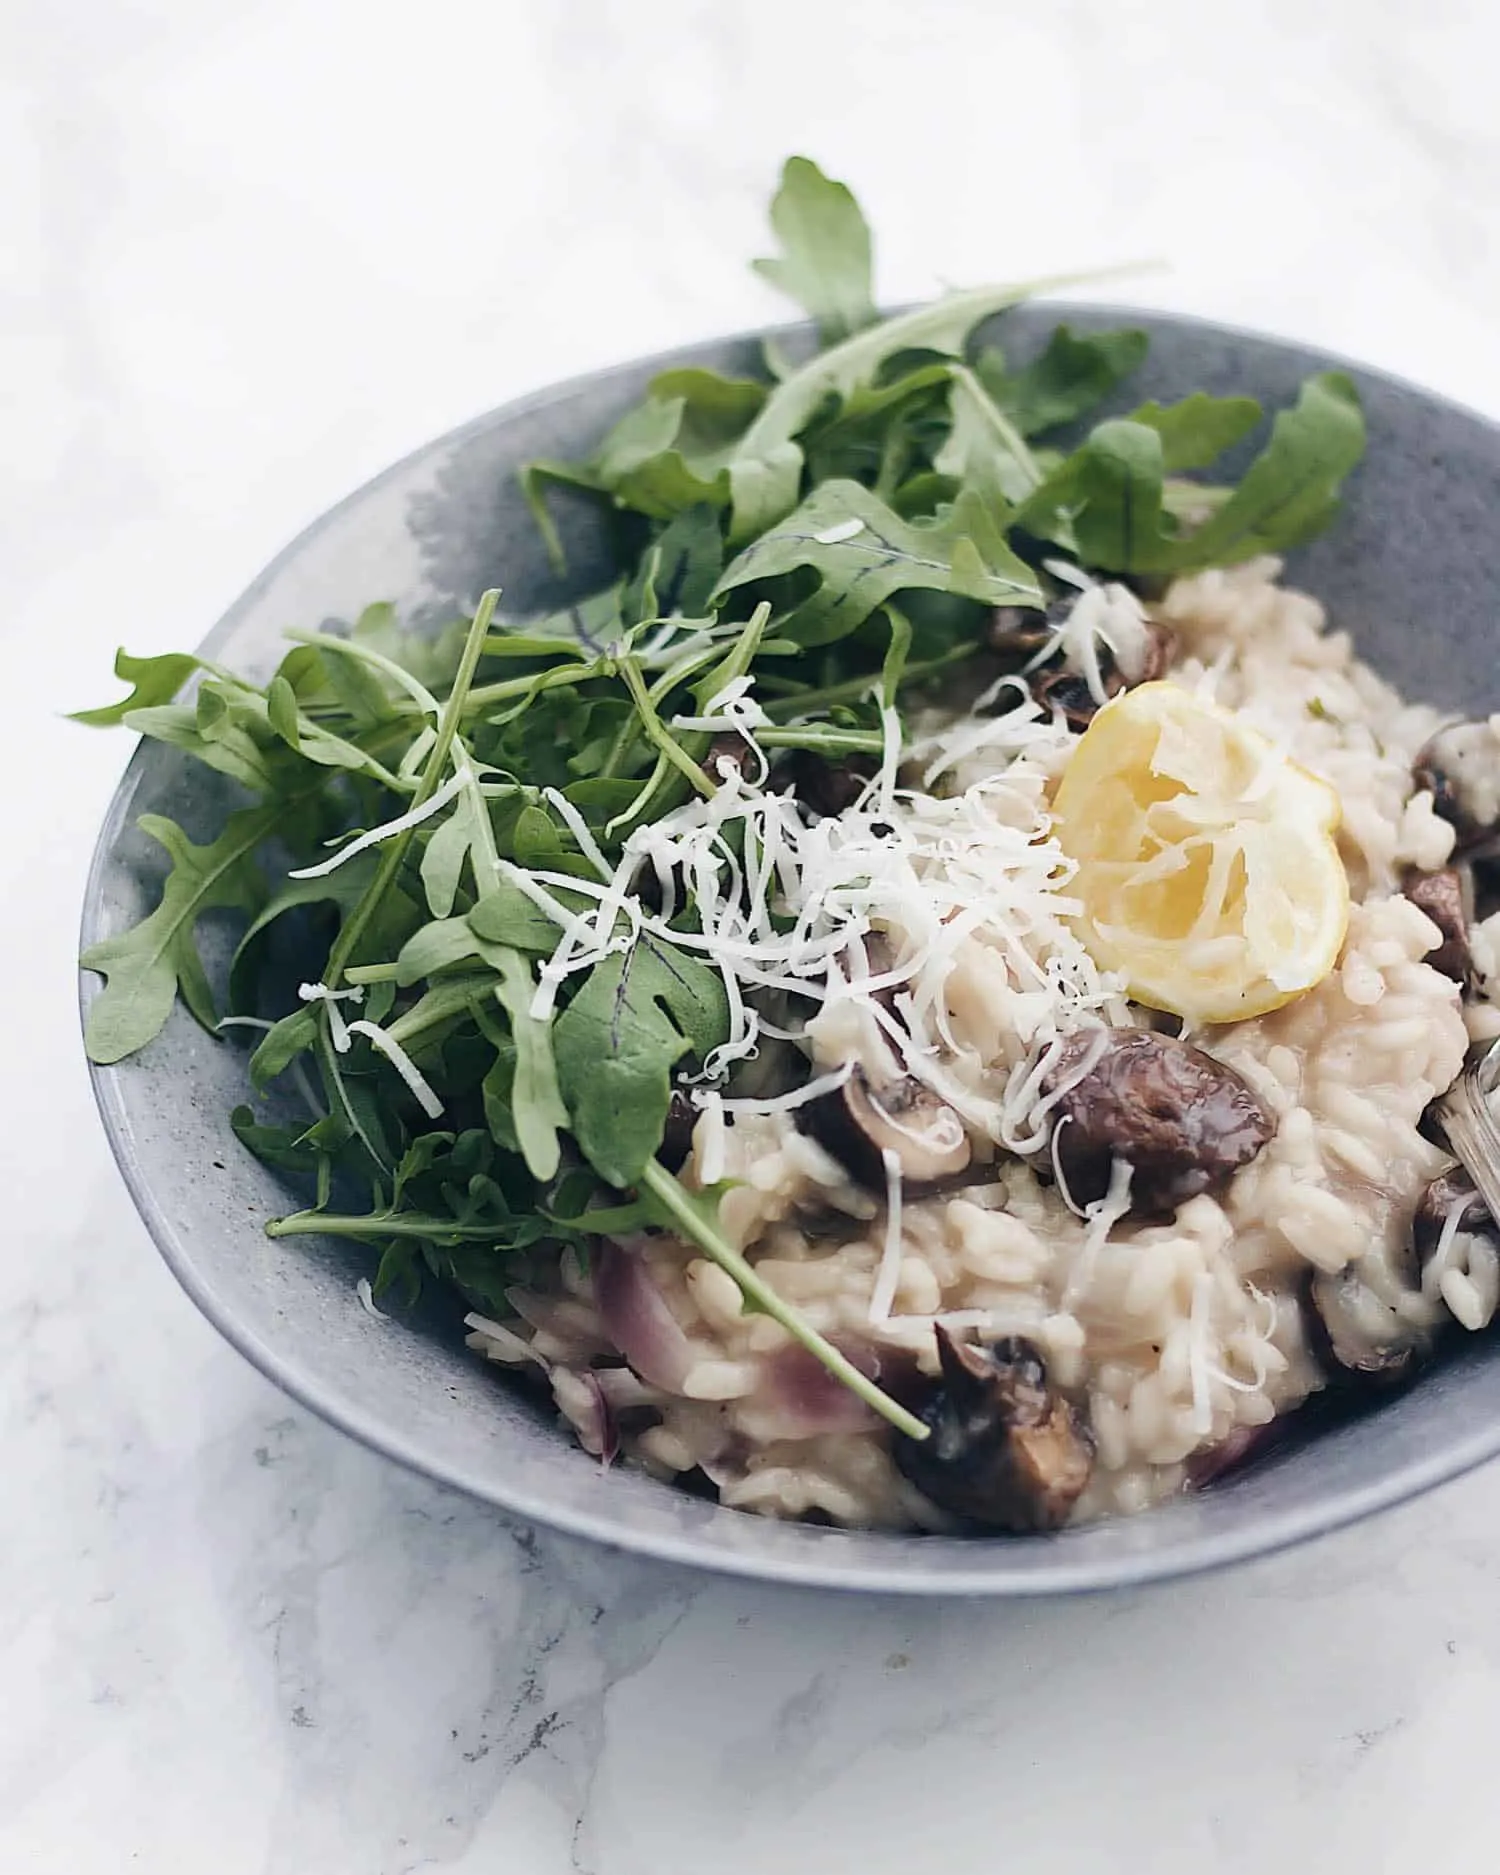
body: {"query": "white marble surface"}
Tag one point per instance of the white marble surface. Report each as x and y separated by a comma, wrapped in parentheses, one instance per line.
(248, 254)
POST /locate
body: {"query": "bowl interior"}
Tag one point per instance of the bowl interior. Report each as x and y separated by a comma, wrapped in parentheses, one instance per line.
(1409, 569)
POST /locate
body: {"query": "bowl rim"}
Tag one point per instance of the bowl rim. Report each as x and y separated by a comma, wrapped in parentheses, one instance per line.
(1194, 1555)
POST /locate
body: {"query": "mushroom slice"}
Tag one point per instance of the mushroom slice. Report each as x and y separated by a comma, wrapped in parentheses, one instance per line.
(1436, 1204)
(1143, 654)
(1019, 632)
(829, 788)
(1356, 1328)
(1004, 1448)
(1182, 1121)
(861, 1121)
(1460, 767)
(1446, 897)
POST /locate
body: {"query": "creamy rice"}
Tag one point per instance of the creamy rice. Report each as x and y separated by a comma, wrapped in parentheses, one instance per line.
(1170, 1337)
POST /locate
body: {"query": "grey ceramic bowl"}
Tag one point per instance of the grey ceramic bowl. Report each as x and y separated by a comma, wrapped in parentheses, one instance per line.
(1411, 569)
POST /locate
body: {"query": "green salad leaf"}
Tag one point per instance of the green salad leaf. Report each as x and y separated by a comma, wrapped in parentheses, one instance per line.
(147, 967)
(1071, 374)
(864, 554)
(825, 262)
(1105, 500)
(153, 681)
(617, 1042)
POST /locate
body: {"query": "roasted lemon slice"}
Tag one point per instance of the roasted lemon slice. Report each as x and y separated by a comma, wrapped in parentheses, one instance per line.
(1207, 868)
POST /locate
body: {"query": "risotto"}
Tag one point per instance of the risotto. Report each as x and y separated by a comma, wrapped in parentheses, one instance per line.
(1168, 1342)
(930, 999)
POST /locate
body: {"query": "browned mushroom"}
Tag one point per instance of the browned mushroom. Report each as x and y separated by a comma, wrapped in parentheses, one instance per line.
(1018, 632)
(727, 751)
(1182, 1121)
(1004, 1448)
(828, 788)
(1460, 767)
(677, 1135)
(1060, 686)
(1446, 897)
(860, 1122)
(1355, 1327)
(1435, 1206)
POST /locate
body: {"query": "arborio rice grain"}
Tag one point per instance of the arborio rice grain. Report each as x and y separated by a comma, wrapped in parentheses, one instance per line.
(1347, 1070)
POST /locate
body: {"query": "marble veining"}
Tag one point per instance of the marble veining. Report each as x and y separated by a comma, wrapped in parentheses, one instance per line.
(249, 255)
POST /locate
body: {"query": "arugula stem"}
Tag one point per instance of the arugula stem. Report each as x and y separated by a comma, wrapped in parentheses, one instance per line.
(939, 326)
(338, 1096)
(823, 740)
(439, 1005)
(678, 1207)
(508, 689)
(378, 1225)
(372, 973)
(393, 854)
(657, 733)
(798, 702)
(1004, 431)
(351, 648)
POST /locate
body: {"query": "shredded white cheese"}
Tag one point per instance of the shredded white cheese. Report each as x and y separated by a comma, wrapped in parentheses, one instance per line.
(889, 1273)
(414, 817)
(338, 1029)
(1198, 1354)
(841, 530)
(402, 1063)
(1101, 1217)
(780, 1103)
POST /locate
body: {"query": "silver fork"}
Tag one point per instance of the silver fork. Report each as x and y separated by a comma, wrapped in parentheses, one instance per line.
(1469, 1123)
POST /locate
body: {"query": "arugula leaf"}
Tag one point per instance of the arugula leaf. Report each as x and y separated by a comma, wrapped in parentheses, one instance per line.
(984, 447)
(292, 1036)
(616, 1043)
(287, 1148)
(148, 966)
(535, 479)
(438, 946)
(537, 1113)
(1104, 502)
(341, 889)
(825, 262)
(210, 735)
(863, 553)
(1290, 492)
(879, 429)
(671, 452)
(430, 657)
(679, 569)
(1070, 376)
(153, 680)
(1196, 431)
(765, 471)
(464, 838)
(590, 624)
(508, 916)
(714, 409)
(307, 738)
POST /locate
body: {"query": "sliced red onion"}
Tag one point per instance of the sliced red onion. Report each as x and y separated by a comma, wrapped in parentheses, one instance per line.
(637, 1319)
(798, 1398)
(624, 1390)
(608, 1433)
(1239, 1446)
(582, 1402)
